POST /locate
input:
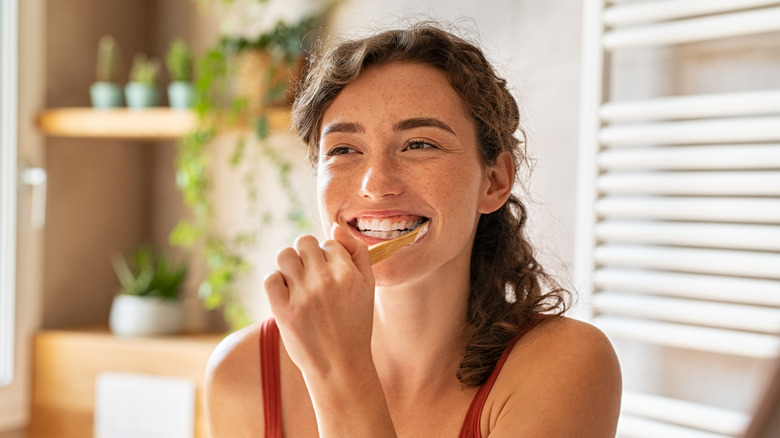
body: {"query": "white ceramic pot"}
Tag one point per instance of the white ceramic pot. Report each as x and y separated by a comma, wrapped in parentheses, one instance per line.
(105, 95)
(181, 95)
(144, 316)
(139, 95)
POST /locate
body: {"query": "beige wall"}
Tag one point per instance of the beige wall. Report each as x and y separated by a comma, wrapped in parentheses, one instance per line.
(105, 196)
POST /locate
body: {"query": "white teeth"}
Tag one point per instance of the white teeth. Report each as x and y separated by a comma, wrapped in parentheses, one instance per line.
(385, 228)
(384, 234)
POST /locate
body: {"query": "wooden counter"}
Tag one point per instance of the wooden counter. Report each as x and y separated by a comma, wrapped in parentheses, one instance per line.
(66, 364)
(157, 123)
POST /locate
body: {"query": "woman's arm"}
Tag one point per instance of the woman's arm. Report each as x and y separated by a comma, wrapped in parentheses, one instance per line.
(562, 380)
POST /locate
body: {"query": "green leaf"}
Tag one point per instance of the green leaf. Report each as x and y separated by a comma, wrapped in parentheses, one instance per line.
(262, 127)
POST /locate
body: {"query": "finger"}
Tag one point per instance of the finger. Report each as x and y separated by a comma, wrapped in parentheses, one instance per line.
(334, 250)
(277, 291)
(290, 264)
(357, 250)
(309, 251)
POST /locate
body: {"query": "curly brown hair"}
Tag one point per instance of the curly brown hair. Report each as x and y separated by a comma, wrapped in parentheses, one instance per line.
(508, 286)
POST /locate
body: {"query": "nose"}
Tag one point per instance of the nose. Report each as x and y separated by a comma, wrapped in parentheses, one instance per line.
(381, 178)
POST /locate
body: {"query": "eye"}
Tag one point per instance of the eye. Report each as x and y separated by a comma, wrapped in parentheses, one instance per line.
(340, 150)
(419, 144)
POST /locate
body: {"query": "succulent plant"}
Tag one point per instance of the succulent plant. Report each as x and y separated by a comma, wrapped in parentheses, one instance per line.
(179, 61)
(144, 70)
(150, 273)
(107, 59)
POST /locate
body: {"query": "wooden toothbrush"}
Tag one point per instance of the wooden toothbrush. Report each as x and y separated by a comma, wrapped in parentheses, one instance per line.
(383, 250)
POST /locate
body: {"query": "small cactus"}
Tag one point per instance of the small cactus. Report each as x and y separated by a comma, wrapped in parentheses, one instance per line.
(107, 60)
(179, 61)
(144, 70)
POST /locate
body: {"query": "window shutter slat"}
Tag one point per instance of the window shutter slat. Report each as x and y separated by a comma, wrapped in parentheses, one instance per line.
(732, 157)
(758, 183)
(716, 209)
(719, 315)
(694, 286)
(707, 261)
(736, 236)
(693, 106)
(684, 413)
(737, 130)
(695, 29)
(711, 340)
(637, 427)
(660, 10)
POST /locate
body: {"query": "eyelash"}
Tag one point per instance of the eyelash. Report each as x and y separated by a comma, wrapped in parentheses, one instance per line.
(419, 142)
(412, 145)
(339, 150)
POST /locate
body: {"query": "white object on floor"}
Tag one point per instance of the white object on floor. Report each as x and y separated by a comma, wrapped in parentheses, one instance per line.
(143, 406)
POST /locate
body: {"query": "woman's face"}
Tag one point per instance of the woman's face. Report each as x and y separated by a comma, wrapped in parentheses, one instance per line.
(397, 148)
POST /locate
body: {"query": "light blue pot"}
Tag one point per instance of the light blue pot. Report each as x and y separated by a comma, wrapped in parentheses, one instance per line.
(181, 95)
(140, 95)
(105, 95)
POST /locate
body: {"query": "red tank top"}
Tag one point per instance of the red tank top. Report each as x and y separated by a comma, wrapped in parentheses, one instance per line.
(272, 395)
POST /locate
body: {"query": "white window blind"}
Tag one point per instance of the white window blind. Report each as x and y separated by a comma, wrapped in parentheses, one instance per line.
(678, 246)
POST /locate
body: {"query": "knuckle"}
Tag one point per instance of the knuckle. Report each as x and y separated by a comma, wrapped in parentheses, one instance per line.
(305, 241)
(285, 254)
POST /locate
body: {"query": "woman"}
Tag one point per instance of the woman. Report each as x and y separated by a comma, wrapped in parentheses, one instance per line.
(458, 334)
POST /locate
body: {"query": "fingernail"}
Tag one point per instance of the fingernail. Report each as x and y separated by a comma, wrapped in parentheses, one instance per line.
(333, 229)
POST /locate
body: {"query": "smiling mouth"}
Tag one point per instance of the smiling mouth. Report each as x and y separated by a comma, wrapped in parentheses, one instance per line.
(388, 228)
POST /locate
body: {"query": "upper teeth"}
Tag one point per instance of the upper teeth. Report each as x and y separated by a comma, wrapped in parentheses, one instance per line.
(385, 224)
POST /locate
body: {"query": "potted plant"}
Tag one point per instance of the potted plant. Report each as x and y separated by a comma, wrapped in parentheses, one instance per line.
(106, 92)
(141, 91)
(149, 299)
(181, 92)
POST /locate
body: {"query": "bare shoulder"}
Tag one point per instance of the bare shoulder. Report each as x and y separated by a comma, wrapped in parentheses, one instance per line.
(562, 379)
(233, 391)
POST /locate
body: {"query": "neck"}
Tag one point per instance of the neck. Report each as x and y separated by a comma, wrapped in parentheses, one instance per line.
(420, 331)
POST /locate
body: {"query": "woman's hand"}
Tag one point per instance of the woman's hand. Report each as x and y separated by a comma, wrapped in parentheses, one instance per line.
(322, 297)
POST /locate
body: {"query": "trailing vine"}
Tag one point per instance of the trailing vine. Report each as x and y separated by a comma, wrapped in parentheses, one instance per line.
(218, 108)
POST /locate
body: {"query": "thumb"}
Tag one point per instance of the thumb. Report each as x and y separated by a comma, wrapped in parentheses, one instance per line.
(357, 249)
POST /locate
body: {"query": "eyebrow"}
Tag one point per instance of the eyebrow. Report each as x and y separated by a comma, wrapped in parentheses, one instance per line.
(346, 127)
(403, 125)
(422, 122)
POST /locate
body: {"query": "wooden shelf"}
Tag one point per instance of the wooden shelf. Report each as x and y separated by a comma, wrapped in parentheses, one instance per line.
(158, 123)
(66, 363)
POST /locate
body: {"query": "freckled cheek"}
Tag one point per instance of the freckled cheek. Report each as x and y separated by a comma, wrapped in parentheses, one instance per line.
(325, 195)
(332, 193)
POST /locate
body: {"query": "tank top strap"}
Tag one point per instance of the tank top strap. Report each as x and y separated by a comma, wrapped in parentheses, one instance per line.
(471, 424)
(271, 378)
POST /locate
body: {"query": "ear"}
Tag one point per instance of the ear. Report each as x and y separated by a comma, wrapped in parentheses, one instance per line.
(499, 180)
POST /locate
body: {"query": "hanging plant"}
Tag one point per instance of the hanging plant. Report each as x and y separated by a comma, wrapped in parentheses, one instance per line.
(222, 104)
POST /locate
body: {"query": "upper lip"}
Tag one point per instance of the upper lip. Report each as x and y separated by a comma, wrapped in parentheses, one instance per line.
(385, 214)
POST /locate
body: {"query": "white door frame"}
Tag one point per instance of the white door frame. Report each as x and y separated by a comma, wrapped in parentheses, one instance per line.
(8, 166)
(27, 42)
